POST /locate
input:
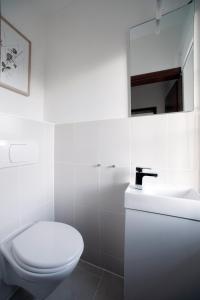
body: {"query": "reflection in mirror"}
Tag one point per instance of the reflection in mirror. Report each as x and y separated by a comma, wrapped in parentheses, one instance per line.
(162, 64)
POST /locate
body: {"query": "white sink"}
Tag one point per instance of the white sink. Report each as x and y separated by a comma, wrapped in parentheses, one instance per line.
(180, 202)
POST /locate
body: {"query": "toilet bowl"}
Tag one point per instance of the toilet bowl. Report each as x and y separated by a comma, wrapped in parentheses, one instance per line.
(39, 257)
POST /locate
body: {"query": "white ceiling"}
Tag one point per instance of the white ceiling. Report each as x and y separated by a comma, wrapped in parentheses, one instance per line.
(51, 6)
(48, 7)
(173, 4)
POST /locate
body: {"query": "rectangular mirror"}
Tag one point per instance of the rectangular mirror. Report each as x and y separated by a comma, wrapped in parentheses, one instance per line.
(162, 63)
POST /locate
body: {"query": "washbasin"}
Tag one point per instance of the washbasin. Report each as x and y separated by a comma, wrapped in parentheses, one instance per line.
(170, 191)
(183, 202)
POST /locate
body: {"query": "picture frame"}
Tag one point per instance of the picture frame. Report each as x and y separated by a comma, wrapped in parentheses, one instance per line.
(15, 59)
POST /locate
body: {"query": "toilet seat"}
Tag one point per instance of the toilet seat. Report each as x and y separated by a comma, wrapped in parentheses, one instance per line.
(47, 247)
(46, 271)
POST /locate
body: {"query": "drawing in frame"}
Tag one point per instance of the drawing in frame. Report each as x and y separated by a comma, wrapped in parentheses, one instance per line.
(15, 59)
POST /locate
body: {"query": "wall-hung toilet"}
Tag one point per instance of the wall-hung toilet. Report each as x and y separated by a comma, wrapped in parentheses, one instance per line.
(39, 257)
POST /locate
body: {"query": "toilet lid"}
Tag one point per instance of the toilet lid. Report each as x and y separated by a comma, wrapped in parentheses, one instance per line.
(47, 245)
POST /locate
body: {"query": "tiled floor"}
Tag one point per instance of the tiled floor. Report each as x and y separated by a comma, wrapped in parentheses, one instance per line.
(86, 283)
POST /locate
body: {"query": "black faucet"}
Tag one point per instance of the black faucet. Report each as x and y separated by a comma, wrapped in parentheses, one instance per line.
(140, 174)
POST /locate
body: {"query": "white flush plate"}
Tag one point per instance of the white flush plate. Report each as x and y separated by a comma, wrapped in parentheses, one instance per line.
(16, 153)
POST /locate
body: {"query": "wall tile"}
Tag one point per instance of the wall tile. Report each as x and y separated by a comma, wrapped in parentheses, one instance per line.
(31, 192)
(86, 143)
(149, 141)
(114, 142)
(182, 178)
(92, 255)
(181, 134)
(40, 213)
(112, 234)
(87, 221)
(64, 193)
(113, 264)
(25, 191)
(87, 186)
(166, 143)
(64, 141)
(9, 208)
(113, 183)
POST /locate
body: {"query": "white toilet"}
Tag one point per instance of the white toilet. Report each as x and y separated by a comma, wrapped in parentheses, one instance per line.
(39, 257)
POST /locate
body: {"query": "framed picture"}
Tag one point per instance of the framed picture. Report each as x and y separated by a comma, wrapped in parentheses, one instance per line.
(15, 59)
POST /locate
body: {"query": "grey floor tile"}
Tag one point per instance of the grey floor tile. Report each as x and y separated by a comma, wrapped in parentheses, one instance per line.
(81, 285)
(21, 295)
(110, 288)
(85, 283)
(91, 268)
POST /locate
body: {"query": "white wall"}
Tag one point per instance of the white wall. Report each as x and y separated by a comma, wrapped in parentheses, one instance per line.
(25, 16)
(86, 67)
(88, 77)
(26, 191)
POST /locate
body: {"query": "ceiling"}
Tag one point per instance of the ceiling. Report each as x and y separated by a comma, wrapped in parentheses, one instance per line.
(51, 6)
(173, 4)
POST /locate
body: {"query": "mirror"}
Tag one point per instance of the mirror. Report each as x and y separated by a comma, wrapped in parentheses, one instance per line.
(162, 63)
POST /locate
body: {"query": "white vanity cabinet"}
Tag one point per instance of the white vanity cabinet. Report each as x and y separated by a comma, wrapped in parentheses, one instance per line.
(162, 245)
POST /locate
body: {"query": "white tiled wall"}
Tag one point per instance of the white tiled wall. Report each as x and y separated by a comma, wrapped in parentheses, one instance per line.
(169, 144)
(26, 191)
(92, 198)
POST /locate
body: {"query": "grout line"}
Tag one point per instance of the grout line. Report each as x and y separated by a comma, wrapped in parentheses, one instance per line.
(98, 286)
(13, 294)
(103, 269)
